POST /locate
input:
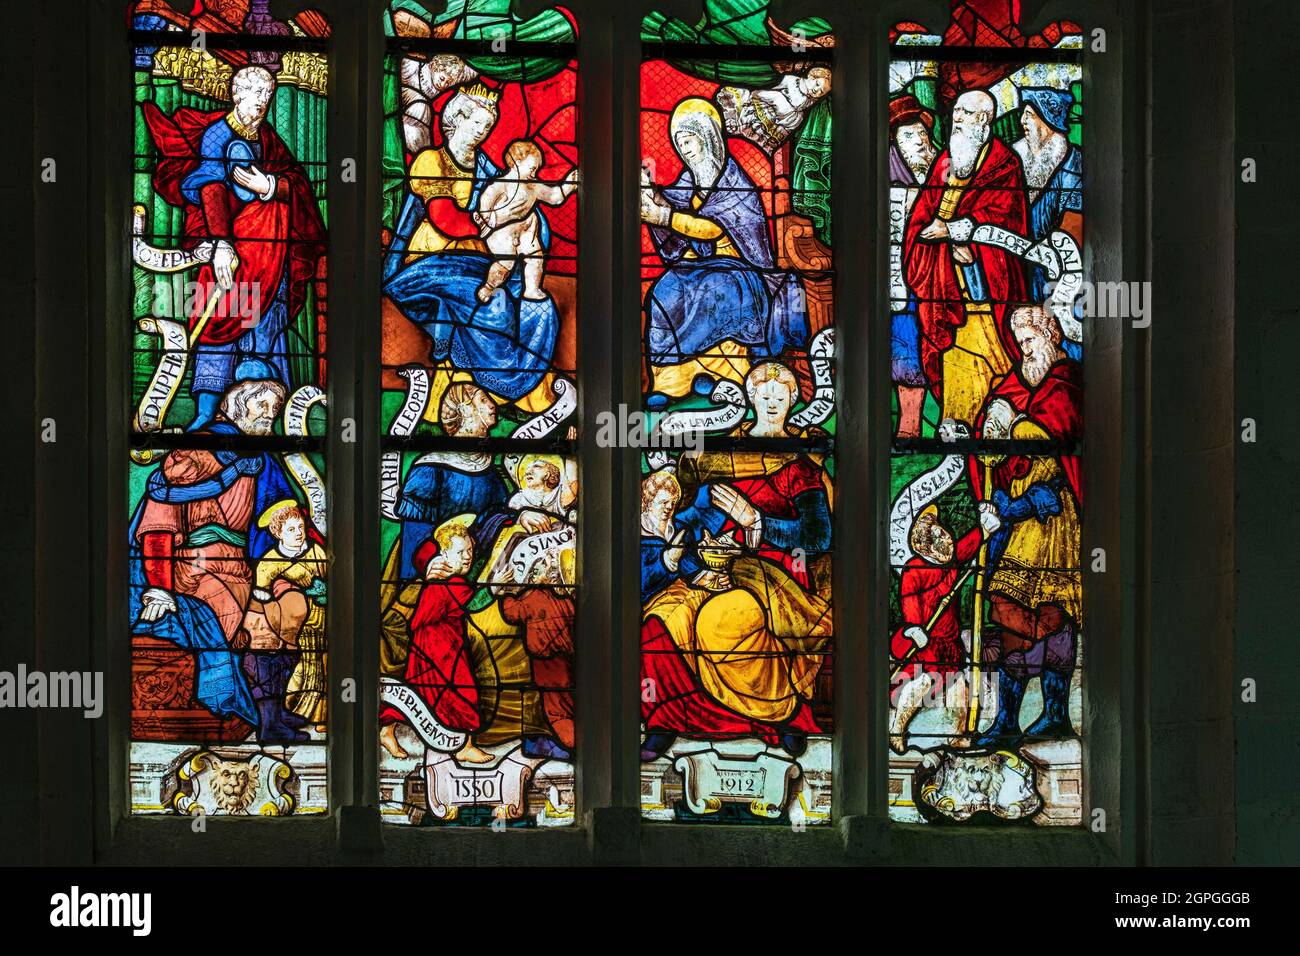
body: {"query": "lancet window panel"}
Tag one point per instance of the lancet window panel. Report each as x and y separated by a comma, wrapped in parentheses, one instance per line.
(479, 474)
(228, 536)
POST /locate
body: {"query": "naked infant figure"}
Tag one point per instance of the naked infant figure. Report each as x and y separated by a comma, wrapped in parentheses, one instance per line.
(508, 220)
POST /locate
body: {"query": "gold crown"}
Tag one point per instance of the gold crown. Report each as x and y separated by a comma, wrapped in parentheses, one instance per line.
(481, 91)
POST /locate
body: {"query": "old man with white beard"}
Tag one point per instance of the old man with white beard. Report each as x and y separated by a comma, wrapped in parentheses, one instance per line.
(1034, 584)
(248, 199)
(963, 289)
(1054, 175)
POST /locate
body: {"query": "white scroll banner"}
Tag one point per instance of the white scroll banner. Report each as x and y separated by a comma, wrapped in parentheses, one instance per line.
(410, 414)
(516, 564)
(155, 259)
(295, 424)
(897, 226)
(729, 402)
(923, 489)
(407, 702)
(1059, 255)
(543, 423)
(167, 376)
(658, 459)
(820, 353)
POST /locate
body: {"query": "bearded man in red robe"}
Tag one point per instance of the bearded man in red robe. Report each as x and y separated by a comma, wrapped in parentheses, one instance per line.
(963, 288)
(1044, 390)
(245, 195)
(1034, 583)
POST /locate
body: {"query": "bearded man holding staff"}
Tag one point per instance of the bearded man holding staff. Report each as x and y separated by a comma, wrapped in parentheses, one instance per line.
(1033, 576)
(245, 193)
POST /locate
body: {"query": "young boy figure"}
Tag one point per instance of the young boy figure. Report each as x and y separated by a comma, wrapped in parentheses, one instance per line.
(544, 488)
(285, 623)
(927, 646)
(438, 667)
(509, 223)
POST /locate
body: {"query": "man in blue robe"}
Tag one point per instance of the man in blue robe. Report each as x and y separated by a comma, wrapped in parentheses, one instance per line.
(247, 197)
(1054, 175)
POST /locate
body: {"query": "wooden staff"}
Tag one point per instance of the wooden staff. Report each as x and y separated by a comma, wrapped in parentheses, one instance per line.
(145, 456)
(973, 715)
(211, 305)
(934, 619)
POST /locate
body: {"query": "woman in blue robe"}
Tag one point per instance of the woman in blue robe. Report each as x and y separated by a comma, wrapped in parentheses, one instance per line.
(506, 344)
(442, 485)
(710, 229)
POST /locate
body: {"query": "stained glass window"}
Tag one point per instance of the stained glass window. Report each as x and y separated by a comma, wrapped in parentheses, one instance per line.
(986, 231)
(738, 346)
(479, 474)
(227, 542)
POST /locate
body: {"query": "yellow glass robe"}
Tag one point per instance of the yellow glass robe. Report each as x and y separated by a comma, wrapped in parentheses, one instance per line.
(977, 357)
(756, 647)
(307, 690)
(1041, 563)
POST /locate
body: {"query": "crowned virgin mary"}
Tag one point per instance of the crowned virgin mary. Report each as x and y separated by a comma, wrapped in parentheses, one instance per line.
(437, 261)
(721, 298)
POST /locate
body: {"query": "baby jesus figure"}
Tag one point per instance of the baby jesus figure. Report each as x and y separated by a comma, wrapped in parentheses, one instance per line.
(508, 220)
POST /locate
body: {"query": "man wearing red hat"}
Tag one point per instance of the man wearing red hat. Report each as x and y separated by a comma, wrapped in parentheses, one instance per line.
(911, 153)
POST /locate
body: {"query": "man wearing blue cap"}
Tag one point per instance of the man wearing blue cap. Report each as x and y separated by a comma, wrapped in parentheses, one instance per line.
(1053, 172)
(191, 579)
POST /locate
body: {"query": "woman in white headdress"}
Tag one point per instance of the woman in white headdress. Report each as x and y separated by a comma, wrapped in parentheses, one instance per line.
(721, 297)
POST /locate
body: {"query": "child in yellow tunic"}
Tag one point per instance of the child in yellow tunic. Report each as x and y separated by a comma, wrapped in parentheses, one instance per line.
(297, 565)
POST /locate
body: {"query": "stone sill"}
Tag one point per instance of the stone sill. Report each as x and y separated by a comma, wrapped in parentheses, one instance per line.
(608, 836)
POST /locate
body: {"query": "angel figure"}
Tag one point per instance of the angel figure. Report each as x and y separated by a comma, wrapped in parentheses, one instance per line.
(768, 117)
(423, 78)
